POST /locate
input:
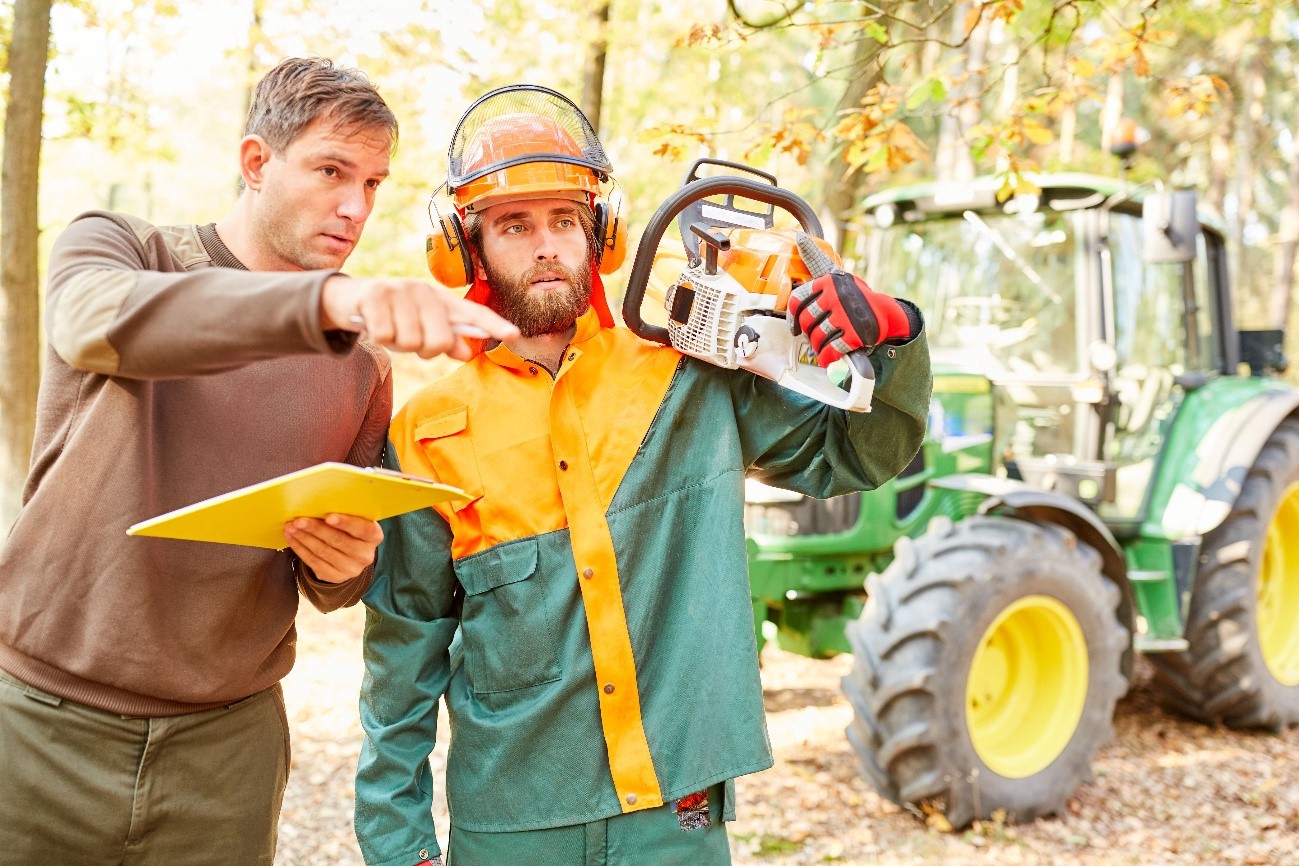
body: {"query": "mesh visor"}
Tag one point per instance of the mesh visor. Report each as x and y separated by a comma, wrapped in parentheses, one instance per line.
(521, 124)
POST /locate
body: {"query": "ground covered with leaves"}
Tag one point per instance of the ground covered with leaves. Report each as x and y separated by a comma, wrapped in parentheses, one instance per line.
(1167, 791)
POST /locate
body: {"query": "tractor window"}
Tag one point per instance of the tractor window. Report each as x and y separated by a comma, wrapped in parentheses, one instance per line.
(1206, 293)
(1151, 346)
(997, 289)
(1149, 307)
(1149, 322)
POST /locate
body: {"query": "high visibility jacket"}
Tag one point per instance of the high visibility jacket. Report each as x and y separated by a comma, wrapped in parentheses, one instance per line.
(586, 611)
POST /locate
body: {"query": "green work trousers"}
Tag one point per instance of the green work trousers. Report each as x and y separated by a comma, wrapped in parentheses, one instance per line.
(79, 786)
(653, 836)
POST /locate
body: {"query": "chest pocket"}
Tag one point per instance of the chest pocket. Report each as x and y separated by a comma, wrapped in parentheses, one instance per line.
(450, 449)
(507, 623)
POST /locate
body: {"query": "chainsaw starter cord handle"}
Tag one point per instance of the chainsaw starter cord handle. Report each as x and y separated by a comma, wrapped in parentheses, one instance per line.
(687, 195)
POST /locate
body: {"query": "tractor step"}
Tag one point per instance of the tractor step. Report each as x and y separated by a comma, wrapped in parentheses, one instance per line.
(1145, 644)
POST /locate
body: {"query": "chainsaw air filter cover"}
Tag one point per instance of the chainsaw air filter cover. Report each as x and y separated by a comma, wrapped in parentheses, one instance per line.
(706, 313)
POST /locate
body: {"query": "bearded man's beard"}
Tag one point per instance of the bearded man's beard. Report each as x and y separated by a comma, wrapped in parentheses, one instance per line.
(536, 312)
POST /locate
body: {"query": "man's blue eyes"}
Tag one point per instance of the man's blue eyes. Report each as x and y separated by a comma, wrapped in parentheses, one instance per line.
(518, 227)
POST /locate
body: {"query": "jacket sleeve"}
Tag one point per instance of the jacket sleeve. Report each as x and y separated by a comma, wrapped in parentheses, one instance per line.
(411, 618)
(366, 451)
(800, 444)
(109, 310)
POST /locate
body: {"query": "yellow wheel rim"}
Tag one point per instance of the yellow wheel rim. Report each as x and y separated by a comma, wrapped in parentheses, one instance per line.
(1027, 687)
(1278, 591)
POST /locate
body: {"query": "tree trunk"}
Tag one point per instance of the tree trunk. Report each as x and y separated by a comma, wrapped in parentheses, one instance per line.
(1220, 155)
(843, 187)
(593, 75)
(20, 358)
(1112, 111)
(965, 102)
(1068, 133)
(1288, 242)
(256, 39)
(1251, 132)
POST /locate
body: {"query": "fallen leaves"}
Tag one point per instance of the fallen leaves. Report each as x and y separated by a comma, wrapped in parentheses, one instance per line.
(1167, 792)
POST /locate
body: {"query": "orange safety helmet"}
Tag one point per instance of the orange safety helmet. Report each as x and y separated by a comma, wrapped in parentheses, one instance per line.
(520, 142)
(502, 163)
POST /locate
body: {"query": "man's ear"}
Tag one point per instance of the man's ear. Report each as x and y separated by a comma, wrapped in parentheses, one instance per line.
(479, 270)
(254, 153)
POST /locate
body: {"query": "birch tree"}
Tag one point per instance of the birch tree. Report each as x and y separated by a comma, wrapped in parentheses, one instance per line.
(19, 275)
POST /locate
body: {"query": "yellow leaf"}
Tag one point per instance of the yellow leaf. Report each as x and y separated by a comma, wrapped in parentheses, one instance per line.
(1083, 68)
(1006, 190)
(1038, 134)
(1140, 65)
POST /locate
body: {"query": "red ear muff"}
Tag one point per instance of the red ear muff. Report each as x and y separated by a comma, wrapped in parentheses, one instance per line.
(447, 252)
(610, 240)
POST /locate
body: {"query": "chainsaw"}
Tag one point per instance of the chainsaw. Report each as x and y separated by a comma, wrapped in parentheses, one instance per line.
(729, 306)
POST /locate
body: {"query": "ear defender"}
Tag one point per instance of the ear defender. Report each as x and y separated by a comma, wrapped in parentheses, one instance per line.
(610, 239)
(447, 252)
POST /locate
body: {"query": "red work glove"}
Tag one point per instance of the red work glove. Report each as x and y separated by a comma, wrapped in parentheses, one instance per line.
(840, 314)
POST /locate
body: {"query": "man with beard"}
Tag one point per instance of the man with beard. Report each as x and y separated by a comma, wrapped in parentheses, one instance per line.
(585, 613)
(141, 718)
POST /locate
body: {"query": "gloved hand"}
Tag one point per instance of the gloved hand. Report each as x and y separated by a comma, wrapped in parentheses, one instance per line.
(840, 314)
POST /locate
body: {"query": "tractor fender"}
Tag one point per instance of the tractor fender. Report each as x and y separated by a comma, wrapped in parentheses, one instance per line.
(1208, 480)
(1010, 498)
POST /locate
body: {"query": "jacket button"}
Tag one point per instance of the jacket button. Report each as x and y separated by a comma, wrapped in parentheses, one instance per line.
(572, 355)
(532, 370)
(608, 688)
(563, 466)
(423, 853)
(587, 573)
(631, 799)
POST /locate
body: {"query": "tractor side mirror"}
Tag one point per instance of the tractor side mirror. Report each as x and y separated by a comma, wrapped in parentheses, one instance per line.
(1171, 226)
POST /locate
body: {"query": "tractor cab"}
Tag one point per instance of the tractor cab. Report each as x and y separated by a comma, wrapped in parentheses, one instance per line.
(1067, 328)
(1087, 336)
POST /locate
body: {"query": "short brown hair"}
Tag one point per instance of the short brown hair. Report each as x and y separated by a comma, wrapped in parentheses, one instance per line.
(300, 90)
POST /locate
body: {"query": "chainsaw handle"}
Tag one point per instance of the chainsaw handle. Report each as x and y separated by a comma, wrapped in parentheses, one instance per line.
(693, 174)
(687, 195)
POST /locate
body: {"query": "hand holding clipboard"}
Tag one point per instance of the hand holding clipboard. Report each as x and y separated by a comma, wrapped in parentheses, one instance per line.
(256, 515)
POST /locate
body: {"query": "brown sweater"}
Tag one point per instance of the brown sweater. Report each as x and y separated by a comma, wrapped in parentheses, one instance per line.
(172, 375)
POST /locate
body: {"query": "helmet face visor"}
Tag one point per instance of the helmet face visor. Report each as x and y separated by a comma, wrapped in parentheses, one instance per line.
(522, 141)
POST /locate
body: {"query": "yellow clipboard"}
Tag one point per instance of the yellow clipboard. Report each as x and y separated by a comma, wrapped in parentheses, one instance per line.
(255, 515)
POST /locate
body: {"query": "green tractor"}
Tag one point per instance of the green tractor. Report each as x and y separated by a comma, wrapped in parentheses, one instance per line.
(1109, 469)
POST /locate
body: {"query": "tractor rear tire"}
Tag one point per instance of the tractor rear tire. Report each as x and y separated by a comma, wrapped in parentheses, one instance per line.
(987, 664)
(1241, 667)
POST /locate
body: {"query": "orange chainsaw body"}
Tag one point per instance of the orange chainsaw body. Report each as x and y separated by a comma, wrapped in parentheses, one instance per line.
(766, 262)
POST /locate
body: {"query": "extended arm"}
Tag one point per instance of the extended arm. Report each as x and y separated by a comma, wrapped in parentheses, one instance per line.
(108, 311)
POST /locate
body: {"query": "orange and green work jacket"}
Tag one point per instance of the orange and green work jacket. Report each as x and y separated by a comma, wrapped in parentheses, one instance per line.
(605, 659)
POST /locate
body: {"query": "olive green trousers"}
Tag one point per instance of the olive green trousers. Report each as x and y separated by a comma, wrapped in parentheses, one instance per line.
(81, 786)
(653, 837)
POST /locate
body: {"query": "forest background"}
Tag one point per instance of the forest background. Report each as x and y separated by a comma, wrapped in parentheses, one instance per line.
(138, 105)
